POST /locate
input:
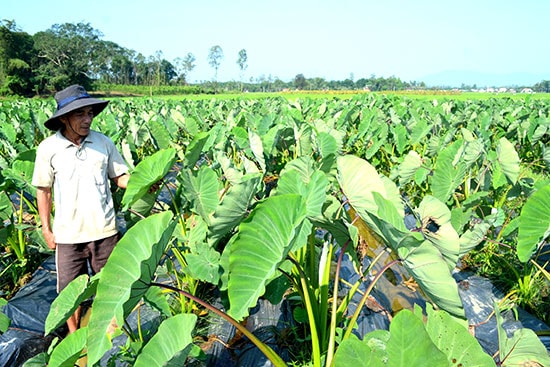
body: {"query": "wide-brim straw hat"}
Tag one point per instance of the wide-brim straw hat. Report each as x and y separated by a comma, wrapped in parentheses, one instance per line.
(70, 99)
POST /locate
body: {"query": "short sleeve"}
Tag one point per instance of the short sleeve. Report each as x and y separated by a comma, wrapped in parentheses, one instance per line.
(43, 174)
(116, 166)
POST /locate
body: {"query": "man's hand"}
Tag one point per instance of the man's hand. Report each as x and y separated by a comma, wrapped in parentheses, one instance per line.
(49, 237)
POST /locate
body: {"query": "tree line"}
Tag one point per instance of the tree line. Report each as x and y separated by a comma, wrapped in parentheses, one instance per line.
(75, 53)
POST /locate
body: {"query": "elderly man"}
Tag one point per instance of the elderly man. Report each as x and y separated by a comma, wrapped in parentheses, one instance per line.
(74, 166)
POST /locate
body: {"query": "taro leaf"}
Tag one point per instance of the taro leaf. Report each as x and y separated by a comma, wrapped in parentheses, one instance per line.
(473, 237)
(432, 274)
(410, 345)
(233, 207)
(203, 264)
(201, 189)
(39, 360)
(357, 353)
(327, 144)
(524, 348)
(195, 148)
(69, 350)
(160, 134)
(68, 300)
(534, 223)
(359, 180)
(260, 246)
(156, 298)
(407, 169)
(437, 228)
(21, 174)
(172, 337)
(125, 278)
(148, 172)
(257, 148)
(508, 159)
(447, 177)
(453, 339)
(313, 190)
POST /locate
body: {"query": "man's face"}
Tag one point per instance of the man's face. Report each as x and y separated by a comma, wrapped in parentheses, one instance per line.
(79, 121)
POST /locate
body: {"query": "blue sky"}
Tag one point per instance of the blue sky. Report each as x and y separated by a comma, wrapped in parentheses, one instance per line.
(328, 39)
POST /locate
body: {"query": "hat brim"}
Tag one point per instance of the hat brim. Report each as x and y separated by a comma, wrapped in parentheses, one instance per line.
(98, 105)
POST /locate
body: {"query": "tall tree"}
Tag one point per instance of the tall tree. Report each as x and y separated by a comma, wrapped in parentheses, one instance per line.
(242, 62)
(215, 56)
(16, 54)
(184, 66)
(67, 53)
(300, 82)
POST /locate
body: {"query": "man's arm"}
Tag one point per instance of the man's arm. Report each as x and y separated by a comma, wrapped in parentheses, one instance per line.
(122, 180)
(44, 201)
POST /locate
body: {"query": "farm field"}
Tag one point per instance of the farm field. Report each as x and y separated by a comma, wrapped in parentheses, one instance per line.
(269, 197)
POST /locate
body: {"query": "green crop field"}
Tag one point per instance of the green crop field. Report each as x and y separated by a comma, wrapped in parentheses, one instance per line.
(265, 197)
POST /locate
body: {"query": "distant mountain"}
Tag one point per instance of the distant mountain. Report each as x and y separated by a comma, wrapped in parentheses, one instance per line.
(456, 78)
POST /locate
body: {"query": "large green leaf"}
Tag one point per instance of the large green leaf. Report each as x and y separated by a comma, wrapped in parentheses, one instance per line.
(524, 348)
(69, 350)
(410, 345)
(201, 189)
(125, 278)
(534, 223)
(68, 300)
(359, 181)
(257, 148)
(313, 189)
(455, 341)
(233, 207)
(172, 337)
(508, 159)
(432, 274)
(447, 177)
(357, 353)
(203, 264)
(437, 228)
(148, 172)
(407, 169)
(261, 244)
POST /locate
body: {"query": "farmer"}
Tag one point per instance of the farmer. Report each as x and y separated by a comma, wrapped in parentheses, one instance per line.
(73, 166)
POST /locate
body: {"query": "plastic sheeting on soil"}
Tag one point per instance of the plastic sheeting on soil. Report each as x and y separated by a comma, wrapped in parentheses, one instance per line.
(29, 308)
(27, 311)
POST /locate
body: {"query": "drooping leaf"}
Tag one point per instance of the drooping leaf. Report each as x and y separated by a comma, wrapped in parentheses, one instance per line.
(508, 159)
(359, 180)
(534, 223)
(148, 172)
(125, 278)
(432, 274)
(172, 337)
(437, 228)
(257, 148)
(261, 244)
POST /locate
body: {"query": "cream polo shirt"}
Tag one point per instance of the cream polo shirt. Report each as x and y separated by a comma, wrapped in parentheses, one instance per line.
(79, 176)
